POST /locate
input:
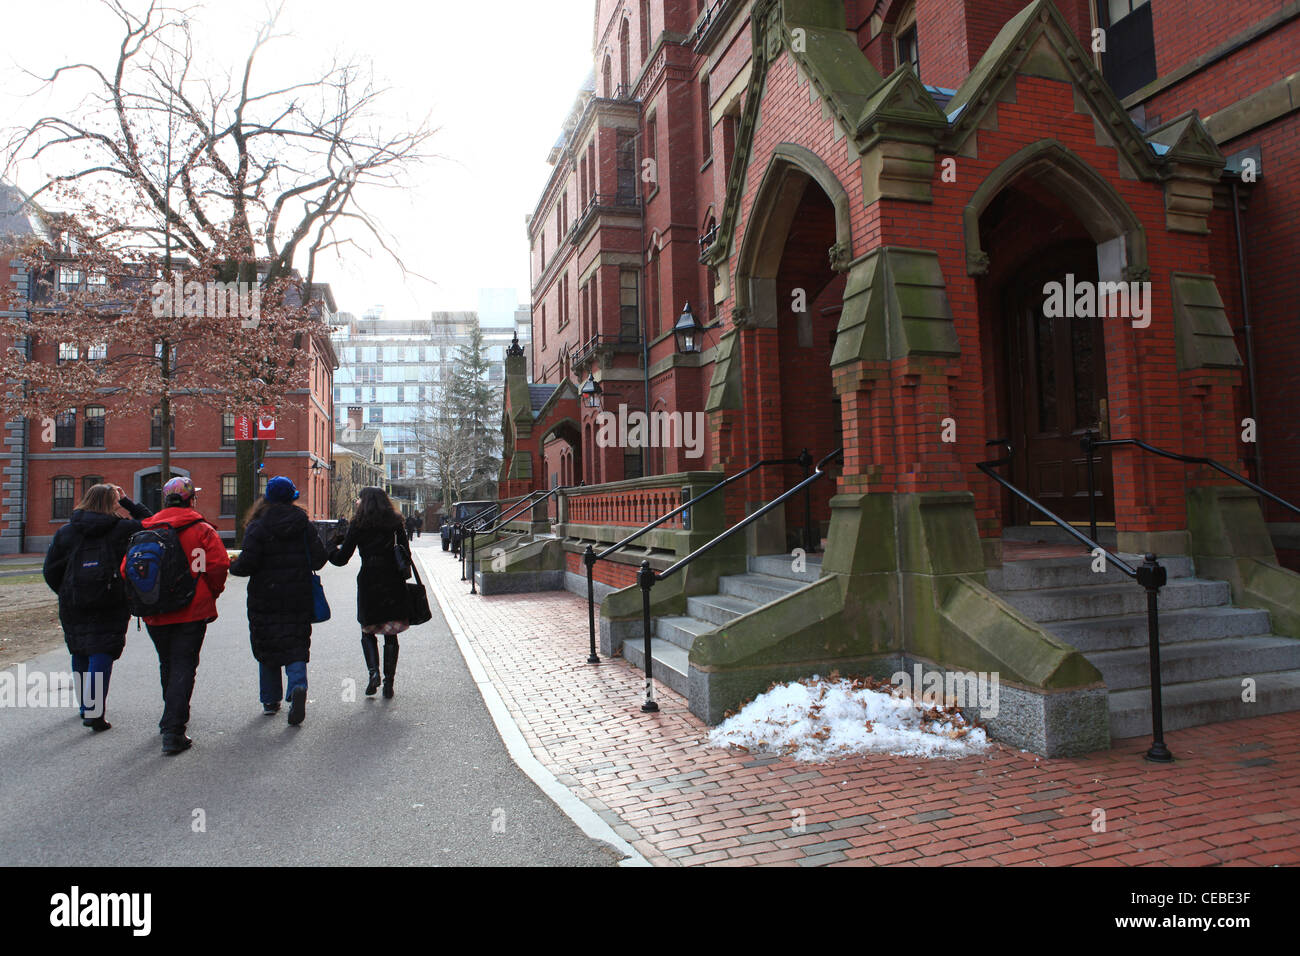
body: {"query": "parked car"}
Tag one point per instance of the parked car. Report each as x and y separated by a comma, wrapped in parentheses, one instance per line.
(461, 512)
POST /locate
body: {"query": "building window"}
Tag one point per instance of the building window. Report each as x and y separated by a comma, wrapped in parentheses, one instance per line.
(645, 30)
(607, 81)
(94, 428)
(706, 120)
(229, 494)
(97, 353)
(1129, 62)
(62, 508)
(227, 428)
(632, 464)
(907, 51)
(651, 151)
(155, 429)
(626, 161)
(65, 430)
(68, 352)
(90, 481)
(157, 353)
(69, 279)
(628, 315)
(625, 57)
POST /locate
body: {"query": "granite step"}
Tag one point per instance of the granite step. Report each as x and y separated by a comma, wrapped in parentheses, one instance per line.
(719, 609)
(1190, 624)
(671, 663)
(1192, 661)
(1203, 702)
(1035, 573)
(1046, 605)
(759, 588)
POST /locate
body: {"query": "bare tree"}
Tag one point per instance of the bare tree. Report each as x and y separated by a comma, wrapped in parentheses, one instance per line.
(254, 183)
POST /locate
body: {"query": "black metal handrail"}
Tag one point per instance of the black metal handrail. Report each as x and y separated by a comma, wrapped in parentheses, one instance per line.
(589, 557)
(647, 576)
(1089, 442)
(1151, 575)
(458, 551)
(530, 502)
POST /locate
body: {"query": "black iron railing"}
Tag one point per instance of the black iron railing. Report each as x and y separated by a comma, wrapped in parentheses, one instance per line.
(531, 500)
(1089, 442)
(647, 576)
(1150, 574)
(590, 557)
(460, 528)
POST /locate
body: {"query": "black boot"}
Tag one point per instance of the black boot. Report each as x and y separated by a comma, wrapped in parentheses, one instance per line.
(390, 663)
(370, 649)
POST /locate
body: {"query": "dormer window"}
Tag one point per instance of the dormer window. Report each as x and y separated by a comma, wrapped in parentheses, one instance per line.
(1129, 59)
(907, 51)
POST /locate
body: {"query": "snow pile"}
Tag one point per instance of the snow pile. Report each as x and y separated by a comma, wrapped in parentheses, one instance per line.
(821, 719)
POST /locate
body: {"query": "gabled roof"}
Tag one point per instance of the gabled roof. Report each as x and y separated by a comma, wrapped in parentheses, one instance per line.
(19, 216)
(538, 396)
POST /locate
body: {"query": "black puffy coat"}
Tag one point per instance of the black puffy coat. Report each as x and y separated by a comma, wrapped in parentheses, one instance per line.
(281, 550)
(381, 585)
(102, 630)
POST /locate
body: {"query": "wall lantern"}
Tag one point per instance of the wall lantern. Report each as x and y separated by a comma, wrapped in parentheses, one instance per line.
(591, 392)
(689, 332)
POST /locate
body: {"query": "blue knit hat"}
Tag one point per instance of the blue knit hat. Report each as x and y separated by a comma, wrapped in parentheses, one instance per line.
(280, 489)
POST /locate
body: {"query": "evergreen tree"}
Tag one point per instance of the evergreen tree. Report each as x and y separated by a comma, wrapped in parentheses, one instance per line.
(475, 405)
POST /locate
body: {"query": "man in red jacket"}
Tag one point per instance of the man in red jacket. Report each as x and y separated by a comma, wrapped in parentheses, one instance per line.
(178, 636)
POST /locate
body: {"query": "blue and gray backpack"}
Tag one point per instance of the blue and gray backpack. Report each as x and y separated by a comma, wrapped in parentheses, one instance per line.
(157, 571)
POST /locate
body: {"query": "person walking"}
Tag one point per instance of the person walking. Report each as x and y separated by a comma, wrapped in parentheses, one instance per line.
(175, 543)
(81, 566)
(281, 550)
(419, 524)
(376, 530)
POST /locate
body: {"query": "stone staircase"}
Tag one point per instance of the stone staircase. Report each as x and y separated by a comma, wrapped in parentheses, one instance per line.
(769, 577)
(1207, 646)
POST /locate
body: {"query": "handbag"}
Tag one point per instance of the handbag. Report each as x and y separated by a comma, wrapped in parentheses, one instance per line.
(418, 600)
(401, 557)
(320, 608)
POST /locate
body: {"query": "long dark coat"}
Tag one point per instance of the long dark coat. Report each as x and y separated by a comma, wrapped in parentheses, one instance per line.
(381, 586)
(281, 549)
(102, 630)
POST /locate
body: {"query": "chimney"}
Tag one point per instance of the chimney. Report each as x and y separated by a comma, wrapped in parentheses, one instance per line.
(354, 418)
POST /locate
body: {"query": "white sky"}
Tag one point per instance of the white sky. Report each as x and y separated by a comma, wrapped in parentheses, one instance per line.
(497, 79)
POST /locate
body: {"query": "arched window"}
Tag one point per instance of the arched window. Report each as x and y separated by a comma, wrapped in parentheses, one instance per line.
(607, 82)
(625, 57)
(645, 31)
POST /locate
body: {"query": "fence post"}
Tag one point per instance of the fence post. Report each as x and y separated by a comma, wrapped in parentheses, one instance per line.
(805, 459)
(589, 559)
(646, 578)
(1153, 576)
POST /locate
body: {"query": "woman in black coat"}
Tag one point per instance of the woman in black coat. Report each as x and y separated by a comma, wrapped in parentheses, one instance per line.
(92, 599)
(376, 530)
(281, 549)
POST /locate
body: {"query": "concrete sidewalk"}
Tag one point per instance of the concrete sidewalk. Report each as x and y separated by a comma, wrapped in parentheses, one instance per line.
(1232, 797)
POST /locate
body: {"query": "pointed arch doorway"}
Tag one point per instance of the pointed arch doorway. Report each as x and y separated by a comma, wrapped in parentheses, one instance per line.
(1046, 217)
(789, 295)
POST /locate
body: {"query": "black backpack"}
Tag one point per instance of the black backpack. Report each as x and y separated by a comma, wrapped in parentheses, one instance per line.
(90, 580)
(158, 576)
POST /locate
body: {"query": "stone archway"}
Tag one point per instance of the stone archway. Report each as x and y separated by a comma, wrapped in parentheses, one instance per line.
(789, 292)
(1045, 216)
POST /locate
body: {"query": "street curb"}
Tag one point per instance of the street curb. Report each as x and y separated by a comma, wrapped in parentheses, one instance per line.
(587, 819)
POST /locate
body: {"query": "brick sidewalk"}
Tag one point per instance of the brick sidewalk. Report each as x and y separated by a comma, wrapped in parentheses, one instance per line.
(1233, 797)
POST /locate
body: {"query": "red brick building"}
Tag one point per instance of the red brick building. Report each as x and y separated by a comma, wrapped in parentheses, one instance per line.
(867, 205)
(48, 469)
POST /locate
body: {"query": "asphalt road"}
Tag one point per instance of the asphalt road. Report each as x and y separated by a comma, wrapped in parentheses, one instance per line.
(422, 779)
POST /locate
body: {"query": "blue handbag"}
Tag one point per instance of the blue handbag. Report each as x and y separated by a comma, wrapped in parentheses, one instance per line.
(320, 608)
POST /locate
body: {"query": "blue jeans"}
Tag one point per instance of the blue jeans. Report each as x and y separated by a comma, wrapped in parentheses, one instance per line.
(272, 686)
(92, 672)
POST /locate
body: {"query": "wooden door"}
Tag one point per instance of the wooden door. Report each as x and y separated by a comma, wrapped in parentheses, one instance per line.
(1058, 388)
